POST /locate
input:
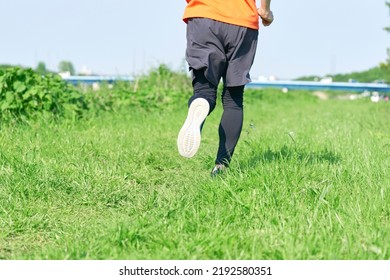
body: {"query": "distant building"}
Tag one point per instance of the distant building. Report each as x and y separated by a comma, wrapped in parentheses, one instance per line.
(64, 74)
(326, 80)
(85, 71)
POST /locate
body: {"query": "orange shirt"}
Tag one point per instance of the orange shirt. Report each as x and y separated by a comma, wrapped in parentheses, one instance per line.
(237, 12)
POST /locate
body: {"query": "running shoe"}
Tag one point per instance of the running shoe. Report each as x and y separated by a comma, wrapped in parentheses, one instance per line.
(218, 170)
(188, 141)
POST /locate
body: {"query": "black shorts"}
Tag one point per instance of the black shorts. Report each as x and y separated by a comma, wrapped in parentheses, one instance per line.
(222, 49)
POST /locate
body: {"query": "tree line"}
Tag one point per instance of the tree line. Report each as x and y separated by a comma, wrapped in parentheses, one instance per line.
(63, 66)
(385, 66)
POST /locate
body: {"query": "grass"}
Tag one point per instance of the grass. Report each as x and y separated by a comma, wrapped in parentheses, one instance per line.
(309, 180)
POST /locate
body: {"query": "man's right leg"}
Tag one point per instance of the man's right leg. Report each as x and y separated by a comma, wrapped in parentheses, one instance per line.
(200, 105)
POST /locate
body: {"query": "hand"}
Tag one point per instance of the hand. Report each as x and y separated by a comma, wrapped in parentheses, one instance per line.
(267, 17)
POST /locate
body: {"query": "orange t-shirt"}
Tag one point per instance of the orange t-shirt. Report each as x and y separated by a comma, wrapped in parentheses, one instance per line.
(237, 12)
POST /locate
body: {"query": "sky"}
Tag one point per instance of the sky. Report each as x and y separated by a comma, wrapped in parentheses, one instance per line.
(129, 37)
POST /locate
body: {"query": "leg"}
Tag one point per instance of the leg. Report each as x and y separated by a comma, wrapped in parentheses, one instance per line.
(200, 105)
(240, 55)
(231, 123)
(203, 89)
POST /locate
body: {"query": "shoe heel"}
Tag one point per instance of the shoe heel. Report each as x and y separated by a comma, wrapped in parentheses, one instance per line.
(189, 138)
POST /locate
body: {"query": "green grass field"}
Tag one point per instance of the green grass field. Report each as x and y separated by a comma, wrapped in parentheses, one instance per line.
(309, 180)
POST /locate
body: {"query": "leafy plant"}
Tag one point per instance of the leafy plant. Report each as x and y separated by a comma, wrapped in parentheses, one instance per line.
(24, 93)
(160, 88)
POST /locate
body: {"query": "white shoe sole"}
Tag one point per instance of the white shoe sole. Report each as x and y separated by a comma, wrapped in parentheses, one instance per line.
(188, 141)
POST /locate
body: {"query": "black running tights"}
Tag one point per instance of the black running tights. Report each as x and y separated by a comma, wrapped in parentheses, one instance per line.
(231, 122)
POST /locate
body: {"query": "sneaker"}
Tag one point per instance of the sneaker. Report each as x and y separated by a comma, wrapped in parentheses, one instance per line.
(188, 141)
(217, 170)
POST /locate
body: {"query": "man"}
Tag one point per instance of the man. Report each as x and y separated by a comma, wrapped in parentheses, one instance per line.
(221, 43)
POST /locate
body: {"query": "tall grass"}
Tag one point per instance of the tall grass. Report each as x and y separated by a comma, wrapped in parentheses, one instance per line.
(309, 180)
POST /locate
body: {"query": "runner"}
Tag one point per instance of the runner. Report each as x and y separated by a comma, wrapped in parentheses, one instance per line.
(221, 43)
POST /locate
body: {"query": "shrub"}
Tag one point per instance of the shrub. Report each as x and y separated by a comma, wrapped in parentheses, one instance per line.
(24, 94)
(160, 88)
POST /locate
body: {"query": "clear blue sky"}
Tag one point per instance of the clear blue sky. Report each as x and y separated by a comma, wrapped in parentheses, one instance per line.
(129, 36)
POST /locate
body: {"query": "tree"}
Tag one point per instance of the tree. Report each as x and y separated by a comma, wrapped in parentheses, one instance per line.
(66, 66)
(41, 68)
(6, 66)
(386, 65)
(388, 27)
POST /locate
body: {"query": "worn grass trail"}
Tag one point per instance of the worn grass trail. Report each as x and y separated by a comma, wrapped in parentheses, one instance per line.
(309, 180)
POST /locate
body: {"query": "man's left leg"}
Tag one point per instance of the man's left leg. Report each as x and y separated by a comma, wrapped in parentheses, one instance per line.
(231, 123)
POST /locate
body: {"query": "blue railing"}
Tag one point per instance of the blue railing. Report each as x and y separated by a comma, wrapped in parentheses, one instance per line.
(75, 80)
(359, 87)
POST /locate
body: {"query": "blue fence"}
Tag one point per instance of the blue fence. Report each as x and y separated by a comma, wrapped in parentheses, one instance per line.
(75, 80)
(358, 87)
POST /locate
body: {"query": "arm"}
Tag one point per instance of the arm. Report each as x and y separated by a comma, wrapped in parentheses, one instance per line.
(265, 12)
